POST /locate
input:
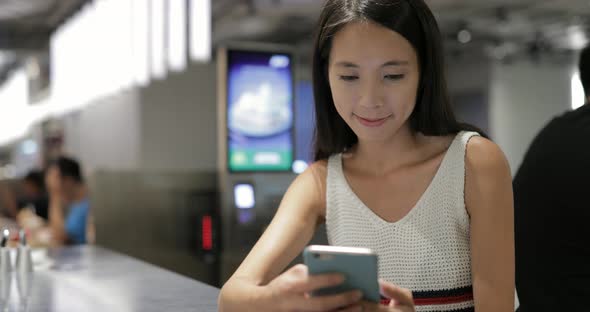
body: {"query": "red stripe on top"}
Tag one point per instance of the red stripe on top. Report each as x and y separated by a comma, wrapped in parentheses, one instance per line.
(443, 300)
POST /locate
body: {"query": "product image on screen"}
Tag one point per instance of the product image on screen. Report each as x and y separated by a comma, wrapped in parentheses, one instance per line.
(259, 111)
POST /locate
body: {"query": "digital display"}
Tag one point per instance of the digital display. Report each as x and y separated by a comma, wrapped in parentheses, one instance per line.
(259, 111)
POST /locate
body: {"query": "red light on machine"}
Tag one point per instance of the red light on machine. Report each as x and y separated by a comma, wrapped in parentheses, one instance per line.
(207, 233)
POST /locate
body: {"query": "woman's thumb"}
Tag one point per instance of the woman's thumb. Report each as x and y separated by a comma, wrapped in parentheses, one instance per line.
(398, 295)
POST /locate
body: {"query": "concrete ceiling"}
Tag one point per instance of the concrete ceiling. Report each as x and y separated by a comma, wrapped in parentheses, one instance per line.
(26, 26)
(499, 26)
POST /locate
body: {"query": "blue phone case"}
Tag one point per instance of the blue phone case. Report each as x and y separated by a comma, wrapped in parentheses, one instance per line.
(360, 271)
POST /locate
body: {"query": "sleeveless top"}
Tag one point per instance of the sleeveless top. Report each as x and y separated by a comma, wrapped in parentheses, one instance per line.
(428, 250)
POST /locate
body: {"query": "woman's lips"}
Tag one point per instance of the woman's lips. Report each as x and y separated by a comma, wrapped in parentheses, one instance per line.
(372, 122)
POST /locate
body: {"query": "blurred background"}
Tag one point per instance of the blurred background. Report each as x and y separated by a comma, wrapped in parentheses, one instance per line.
(191, 117)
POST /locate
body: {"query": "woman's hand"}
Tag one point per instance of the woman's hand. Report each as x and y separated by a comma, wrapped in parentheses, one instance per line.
(401, 300)
(291, 290)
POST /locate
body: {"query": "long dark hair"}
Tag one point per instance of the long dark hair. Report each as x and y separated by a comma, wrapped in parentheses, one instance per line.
(432, 115)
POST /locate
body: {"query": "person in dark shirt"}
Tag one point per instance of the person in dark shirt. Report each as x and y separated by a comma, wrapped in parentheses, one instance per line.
(31, 195)
(35, 194)
(552, 213)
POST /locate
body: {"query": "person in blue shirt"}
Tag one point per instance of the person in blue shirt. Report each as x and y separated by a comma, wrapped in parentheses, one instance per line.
(69, 204)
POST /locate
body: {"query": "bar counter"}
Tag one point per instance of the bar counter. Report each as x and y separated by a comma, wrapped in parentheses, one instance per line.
(93, 279)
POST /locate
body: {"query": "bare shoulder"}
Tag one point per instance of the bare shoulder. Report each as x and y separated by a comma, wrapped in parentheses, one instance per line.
(309, 188)
(488, 181)
(319, 171)
(484, 156)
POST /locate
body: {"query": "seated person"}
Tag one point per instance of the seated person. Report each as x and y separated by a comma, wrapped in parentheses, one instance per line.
(32, 195)
(69, 204)
(35, 194)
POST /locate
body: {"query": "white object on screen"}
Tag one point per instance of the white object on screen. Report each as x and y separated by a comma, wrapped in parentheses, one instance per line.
(267, 158)
(279, 61)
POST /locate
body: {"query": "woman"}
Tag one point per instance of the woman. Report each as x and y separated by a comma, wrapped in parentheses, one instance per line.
(394, 172)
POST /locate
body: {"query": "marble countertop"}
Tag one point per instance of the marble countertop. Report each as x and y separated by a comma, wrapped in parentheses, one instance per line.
(91, 278)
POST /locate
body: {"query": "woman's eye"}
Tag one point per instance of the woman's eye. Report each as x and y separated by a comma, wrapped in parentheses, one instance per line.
(394, 77)
(348, 78)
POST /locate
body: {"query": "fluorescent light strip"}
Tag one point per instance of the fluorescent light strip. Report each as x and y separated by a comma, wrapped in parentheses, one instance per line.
(140, 49)
(13, 112)
(157, 29)
(200, 30)
(177, 35)
(125, 46)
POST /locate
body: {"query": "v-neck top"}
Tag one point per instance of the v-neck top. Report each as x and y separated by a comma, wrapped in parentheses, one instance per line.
(428, 250)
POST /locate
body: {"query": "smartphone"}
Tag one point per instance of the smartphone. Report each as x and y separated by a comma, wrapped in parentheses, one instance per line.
(359, 266)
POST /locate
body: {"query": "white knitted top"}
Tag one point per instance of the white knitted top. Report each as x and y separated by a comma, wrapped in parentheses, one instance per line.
(428, 250)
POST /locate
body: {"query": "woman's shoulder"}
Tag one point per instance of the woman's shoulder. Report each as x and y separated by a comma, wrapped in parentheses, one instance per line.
(311, 185)
(484, 156)
(319, 171)
(488, 180)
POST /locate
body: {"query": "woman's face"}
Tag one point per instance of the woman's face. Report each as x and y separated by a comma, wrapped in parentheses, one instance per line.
(373, 74)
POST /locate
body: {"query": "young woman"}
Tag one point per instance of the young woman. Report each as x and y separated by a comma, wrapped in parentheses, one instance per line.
(395, 172)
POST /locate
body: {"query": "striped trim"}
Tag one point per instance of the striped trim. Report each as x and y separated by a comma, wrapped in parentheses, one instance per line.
(443, 300)
(440, 297)
(456, 292)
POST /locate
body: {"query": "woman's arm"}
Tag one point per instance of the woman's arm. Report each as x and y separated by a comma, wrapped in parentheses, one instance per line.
(488, 198)
(253, 286)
